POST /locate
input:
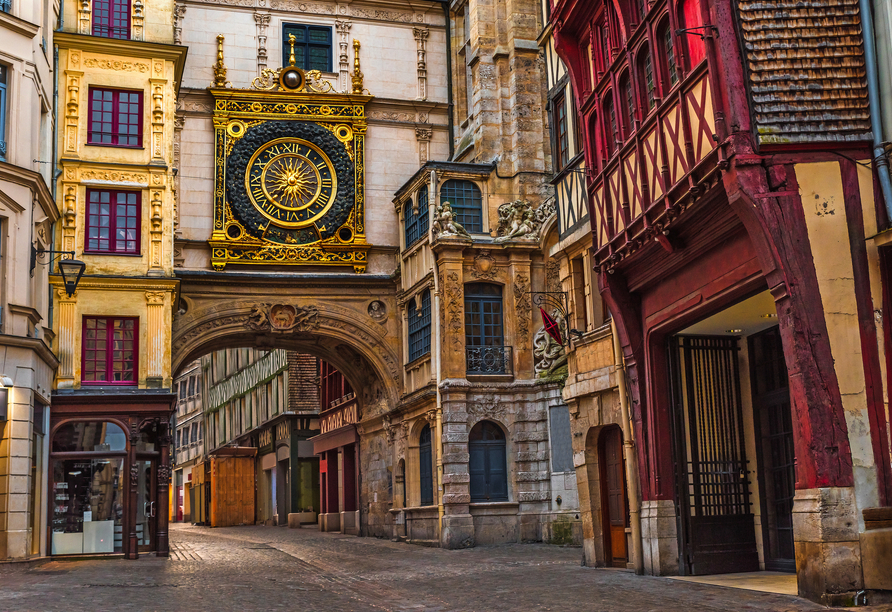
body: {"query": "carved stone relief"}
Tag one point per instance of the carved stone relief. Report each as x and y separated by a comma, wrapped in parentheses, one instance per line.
(283, 318)
(421, 35)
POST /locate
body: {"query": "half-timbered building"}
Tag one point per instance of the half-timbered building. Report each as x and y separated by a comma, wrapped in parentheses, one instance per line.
(730, 195)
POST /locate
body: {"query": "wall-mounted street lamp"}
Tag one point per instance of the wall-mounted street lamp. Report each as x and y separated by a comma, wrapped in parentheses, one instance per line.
(70, 268)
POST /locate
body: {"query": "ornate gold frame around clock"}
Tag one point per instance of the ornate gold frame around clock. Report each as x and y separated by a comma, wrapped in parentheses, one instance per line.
(236, 111)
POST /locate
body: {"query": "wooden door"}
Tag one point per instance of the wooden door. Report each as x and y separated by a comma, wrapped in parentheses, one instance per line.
(615, 506)
(716, 527)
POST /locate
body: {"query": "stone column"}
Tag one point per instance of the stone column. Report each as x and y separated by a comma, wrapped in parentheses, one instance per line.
(69, 333)
(343, 29)
(162, 499)
(457, 530)
(15, 440)
(262, 20)
(452, 306)
(155, 327)
(421, 35)
(518, 307)
(138, 16)
(84, 21)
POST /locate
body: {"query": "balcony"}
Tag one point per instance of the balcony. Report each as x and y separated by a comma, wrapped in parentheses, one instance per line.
(489, 360)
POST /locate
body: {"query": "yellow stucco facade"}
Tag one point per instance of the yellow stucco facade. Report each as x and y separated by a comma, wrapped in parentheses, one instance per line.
(139, 283)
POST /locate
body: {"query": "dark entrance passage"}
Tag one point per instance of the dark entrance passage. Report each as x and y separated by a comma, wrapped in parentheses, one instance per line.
(716, 526)
(775, 452)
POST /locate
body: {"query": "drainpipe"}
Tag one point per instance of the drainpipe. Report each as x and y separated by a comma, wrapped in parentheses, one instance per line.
(873, 96)
(629, 454)
(435, 306)
(451, 107)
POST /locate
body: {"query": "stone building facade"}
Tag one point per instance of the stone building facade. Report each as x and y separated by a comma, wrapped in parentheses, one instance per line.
(188, 442)
(27, 214)
(435, 398)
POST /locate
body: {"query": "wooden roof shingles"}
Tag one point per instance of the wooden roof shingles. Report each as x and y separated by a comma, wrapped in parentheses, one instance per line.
(807, 76)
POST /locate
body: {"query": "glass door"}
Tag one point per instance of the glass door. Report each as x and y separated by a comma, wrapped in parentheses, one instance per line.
(146, 504)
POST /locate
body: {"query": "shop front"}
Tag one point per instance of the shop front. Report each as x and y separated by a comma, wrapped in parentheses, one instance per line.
(109, 475)
(338, 450)
(288, 471)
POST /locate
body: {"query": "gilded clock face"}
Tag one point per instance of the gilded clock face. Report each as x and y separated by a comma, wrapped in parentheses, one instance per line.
(289, 182)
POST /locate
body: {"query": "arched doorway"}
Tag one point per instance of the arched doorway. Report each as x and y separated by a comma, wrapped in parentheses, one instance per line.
(614, 497)
(488, 463)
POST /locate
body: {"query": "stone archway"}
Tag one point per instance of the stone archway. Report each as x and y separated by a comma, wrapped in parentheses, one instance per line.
(351, 322)
(355, 331)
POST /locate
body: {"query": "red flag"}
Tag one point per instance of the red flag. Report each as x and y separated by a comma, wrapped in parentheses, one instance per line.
(551, 327)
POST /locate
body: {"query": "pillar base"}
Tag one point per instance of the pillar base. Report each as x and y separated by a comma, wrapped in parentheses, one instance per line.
(659, 537)
(330, 521)
(458, 531)
(350, 522)
(828, 551)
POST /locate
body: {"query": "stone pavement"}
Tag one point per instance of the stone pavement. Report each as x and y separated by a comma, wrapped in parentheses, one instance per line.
(269, 568)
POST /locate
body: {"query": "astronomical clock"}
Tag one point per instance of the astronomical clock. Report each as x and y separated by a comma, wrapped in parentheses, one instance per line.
(289, 179)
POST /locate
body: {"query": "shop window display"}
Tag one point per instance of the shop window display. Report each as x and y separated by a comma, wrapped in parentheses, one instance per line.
(88, 489)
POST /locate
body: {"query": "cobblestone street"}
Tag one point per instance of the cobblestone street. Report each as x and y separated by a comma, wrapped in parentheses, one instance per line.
(263, 568)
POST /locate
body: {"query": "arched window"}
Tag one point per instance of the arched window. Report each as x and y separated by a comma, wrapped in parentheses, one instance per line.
(416, 223)
(646, 78)
(628, 104)
(89, 436)
(667, 49)
(425, 459)
(689, 17)
(466, 201)
(488, 463)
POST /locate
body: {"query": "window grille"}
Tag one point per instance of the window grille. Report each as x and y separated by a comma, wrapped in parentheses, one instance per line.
(466, 201)
(113, 222)
(416, 223)
(115, 118)
(111, 19)
(109, 354)
(312, 46)
(420, 327)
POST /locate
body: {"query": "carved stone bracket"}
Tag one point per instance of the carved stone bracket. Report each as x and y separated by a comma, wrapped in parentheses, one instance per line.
(424, 135)
(283, 318)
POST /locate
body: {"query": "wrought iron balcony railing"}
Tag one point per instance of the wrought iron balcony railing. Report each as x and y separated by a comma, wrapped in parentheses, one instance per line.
(490, 360)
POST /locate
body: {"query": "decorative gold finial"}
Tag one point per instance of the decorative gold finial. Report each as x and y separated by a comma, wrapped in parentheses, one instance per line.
(220, 67)
(291, 57)
(357, 73)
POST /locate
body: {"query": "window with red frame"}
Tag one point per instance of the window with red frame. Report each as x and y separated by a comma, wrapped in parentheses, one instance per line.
(561, 136)
(112, 222)
(109, 351)
(111, 18)
(690, 17)
(115, 118)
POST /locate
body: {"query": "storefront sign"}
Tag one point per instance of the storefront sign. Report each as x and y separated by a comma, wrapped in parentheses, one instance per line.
(346, 415)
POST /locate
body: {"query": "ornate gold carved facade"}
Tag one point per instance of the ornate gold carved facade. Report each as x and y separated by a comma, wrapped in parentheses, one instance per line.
(272, 133)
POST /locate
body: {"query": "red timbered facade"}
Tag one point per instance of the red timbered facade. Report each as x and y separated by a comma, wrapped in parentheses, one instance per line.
(730, 194)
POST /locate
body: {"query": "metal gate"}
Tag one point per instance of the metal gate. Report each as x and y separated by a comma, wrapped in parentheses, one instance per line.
(716, 527)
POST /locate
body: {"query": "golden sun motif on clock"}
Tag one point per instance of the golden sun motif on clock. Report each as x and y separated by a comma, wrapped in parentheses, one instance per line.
(291, 182)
